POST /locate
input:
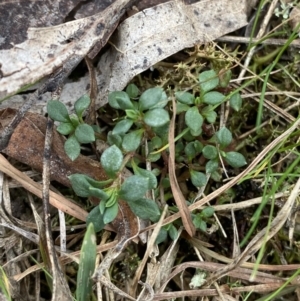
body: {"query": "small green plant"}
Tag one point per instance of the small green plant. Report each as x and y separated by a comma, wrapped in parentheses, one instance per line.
(72, 125)
(142, 118)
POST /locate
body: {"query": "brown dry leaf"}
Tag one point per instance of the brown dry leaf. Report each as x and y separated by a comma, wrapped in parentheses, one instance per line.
(177, 194)
(27, 144)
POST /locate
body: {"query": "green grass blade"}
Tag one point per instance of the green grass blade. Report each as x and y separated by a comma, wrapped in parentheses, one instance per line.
(86, 265)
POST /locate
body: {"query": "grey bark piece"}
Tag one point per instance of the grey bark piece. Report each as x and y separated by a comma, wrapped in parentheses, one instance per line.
(158, 32)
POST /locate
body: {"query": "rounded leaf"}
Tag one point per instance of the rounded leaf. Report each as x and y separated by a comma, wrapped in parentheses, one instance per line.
(185, 97)
(110, 213)
(211, 166)
(111, 160)
(236, 101)
(156, 117)
(114, 139)
(235, 159)
(213, 98)
(198, 178)
(72, 148)
(119, 100)
(224, 136)
(151, 97)
(208, 80)
(132, 90)
(208, 212)
(145, 209)
(199, 223)
(57, 111)
(65, 128)
(85, 133)
(82, 104)
(210, 152)
(181, 107)
(134, 188)
(173, 233)
(122, 127)
(81, 184)
(132, 140)
(96, 218)
(162, 236)
(147, 174)
(193, 119)
(99, 193)
(192, 149)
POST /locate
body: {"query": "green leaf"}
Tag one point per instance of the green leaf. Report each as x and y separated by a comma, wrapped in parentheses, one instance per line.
(198, 178)
(213, 98)
(132, 114)
(132, 90)
(193, 119)
(81, 105)
(211, 166)
(208, 212)
(209, 114)
(65, 128)
(185, 97)
(81, 184)
(235, 159)
(111, 160)
(210, 152)
(224, 136)
(208, 80)
(216, 176)
(96, 218)
(57, 111)
(156, 117)
(173, 233)
(132, 140)
(236, 101)
(145, 209)
(151, 98)
(134, 188)
(99, 193)
(225, 78)
(122, 127)
(156, 142)
(114, 139)
(85, 133)
(181, 107)
(147, 174)
(192, 149)
(200, 223)
(87, 263)
(162, 236)
(74, 120)
(114, 96)
(72, 148)
(110, 213)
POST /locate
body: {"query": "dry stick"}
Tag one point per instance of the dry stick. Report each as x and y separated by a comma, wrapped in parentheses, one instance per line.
(219, 191)
(259, 239)
(61, 290)
(56, 200)
(259, 35)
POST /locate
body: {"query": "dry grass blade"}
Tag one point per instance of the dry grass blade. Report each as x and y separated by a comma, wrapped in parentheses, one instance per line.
(178, 196)
(61, 290)
(262, 236)
(56, 200)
